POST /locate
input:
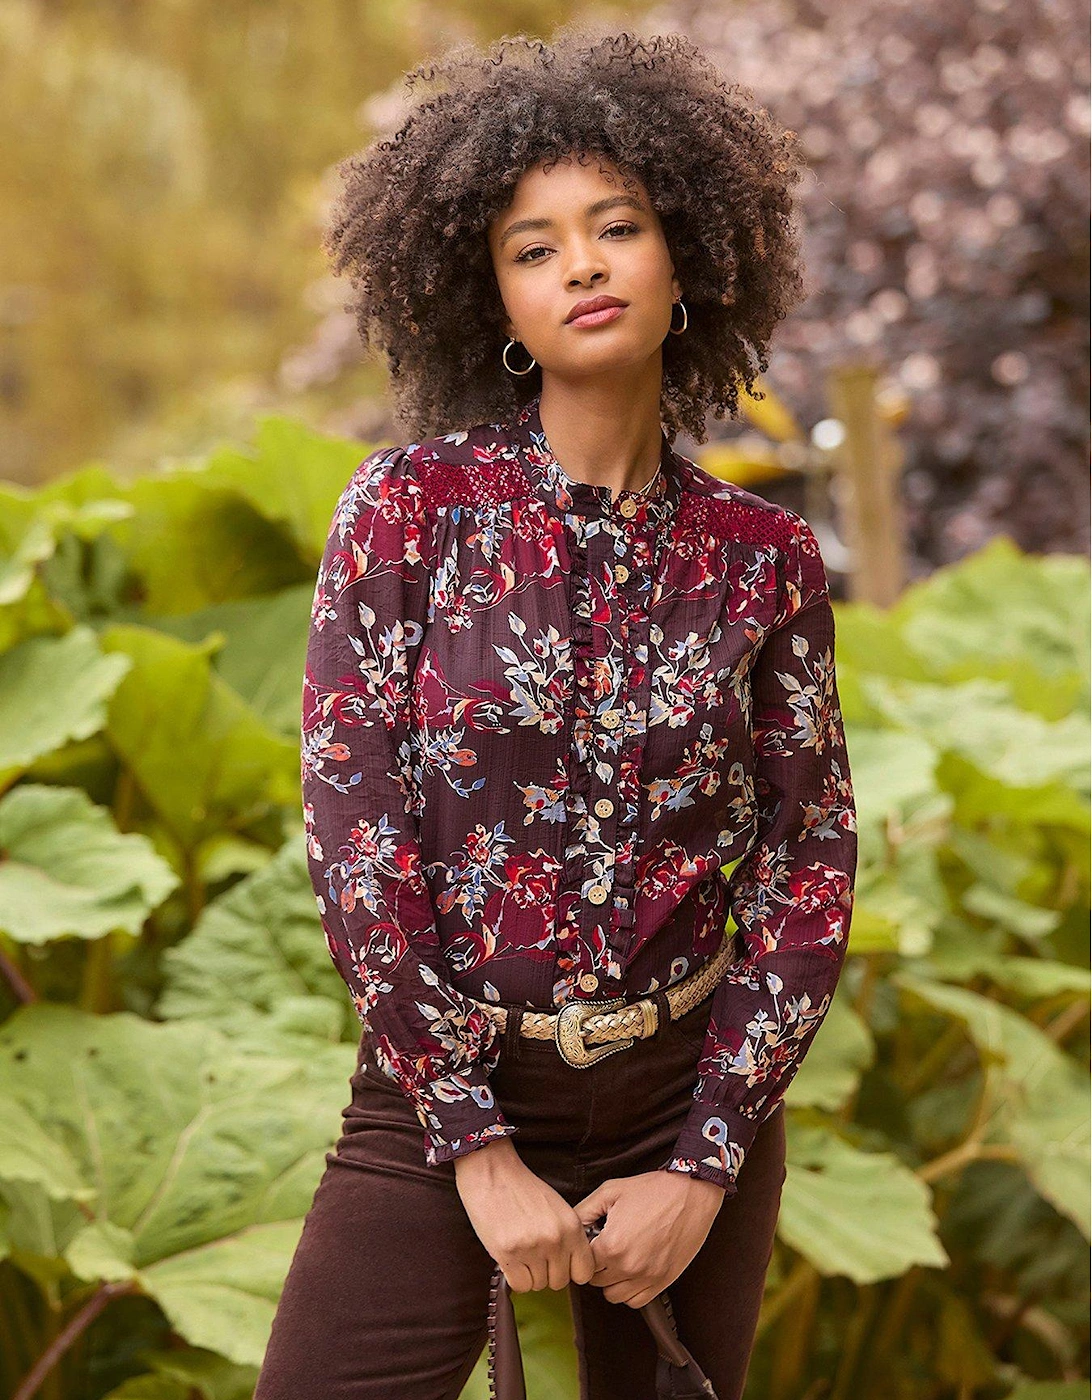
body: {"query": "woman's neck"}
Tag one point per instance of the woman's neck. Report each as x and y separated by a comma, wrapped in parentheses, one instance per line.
(604, 435)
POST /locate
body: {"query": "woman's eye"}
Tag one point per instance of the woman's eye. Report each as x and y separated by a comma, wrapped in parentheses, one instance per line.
(525, 256)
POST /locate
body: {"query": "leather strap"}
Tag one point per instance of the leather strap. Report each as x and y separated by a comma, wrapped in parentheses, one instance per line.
(506, 1380)
(678, 1375)
(511, 1046)
(663, 1012)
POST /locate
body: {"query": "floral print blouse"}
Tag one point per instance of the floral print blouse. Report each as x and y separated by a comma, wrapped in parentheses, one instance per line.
(538, 723)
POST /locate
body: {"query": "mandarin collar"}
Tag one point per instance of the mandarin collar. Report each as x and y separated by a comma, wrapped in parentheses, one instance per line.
(570, 497)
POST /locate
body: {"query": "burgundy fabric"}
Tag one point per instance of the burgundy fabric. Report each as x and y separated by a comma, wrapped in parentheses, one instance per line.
(540, 725)
(387, 1293)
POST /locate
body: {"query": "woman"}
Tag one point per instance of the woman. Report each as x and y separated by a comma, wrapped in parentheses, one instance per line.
(558, 677)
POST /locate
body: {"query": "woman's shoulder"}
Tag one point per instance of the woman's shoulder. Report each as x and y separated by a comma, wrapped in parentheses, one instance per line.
(475, 466)
(746, 516)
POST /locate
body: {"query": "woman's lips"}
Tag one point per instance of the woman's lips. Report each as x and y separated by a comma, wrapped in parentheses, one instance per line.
(597, 318)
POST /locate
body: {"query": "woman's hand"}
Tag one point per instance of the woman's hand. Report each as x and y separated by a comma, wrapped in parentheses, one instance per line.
(532, 1232)
(656, 1223)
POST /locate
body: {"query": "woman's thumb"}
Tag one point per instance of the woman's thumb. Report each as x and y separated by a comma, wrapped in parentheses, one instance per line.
(592, 1207)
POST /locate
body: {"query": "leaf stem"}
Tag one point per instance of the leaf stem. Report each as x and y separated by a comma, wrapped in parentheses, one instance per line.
(964, 1155)
(69, 1334)
(96, 993)
(24, 992)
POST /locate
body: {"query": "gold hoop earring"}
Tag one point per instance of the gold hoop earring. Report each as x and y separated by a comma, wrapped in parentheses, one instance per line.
(685, 317)
(508, 367)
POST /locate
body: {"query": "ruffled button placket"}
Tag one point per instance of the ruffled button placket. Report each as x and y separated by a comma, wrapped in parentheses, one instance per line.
(626, 551)
(637, 559)
(580, 707)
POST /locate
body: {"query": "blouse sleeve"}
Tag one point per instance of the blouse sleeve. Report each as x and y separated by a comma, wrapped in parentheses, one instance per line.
(361, 809)
(791, 894)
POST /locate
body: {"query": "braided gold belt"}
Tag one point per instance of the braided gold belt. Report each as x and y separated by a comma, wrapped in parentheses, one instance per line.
(613, 1024)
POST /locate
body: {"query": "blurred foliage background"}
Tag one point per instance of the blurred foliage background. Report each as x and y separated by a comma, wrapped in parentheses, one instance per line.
(182, 399)
(163, 177)
(166, 169)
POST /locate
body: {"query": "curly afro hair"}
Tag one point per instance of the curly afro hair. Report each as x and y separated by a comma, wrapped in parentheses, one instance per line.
(410, 221)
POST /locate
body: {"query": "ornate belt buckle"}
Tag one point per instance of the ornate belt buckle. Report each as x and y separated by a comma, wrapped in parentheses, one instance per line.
(569, 1033)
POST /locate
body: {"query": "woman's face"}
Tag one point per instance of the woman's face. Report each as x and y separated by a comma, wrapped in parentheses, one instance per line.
(575, 232)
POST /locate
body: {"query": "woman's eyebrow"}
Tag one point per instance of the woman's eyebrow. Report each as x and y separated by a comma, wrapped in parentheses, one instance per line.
(600, 206)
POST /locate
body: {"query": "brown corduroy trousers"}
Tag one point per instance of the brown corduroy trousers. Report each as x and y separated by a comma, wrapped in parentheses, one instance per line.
(387, 1292)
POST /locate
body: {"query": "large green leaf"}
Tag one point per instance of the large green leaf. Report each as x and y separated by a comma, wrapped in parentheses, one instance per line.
(1027, 921)
(53, 690)
(202, 758)
(33, 524)
(870, 640)
(262, 645)
(1051, 1390)
(212, 1375)
(1028, 978)
(978, 721)
(29, 1153)
(151, 1387)
(1022, 618)
(238, 525)
(900, 897)
(259, 948)
(191, 544)
(223, 1294)
(223, 856)
(892, 772)
(293, 478)
(1038, 1096)
(1037, 977)
(909, 894)
(203, 1160)
(68, 871)
(1008, 873)
(862, 1214)
(982, 800)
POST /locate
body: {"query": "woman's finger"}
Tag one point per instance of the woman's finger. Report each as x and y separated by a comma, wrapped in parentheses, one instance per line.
(520, 1279)
(557, 1271)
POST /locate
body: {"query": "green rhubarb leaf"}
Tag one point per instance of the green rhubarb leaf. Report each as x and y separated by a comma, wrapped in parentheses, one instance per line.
(293, 477)
(261, 649)
(1037, 1095)
(68, 871)
(203, 1159)
(53, 690)
(202, 758)
(861, 1214)
(260, 948)
(191, 544)
(29, 1153)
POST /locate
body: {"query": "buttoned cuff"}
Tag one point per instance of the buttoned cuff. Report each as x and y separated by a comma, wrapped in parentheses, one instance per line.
(459, 1114)
(712, 1145)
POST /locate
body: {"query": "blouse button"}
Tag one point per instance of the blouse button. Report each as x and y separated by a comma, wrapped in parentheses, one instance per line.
(589, 982)
(610, 719)
(628, 507)
(621, 573)
(604, 807)
(598, 894)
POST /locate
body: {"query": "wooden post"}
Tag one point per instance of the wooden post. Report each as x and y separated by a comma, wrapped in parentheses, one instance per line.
(869, 463)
